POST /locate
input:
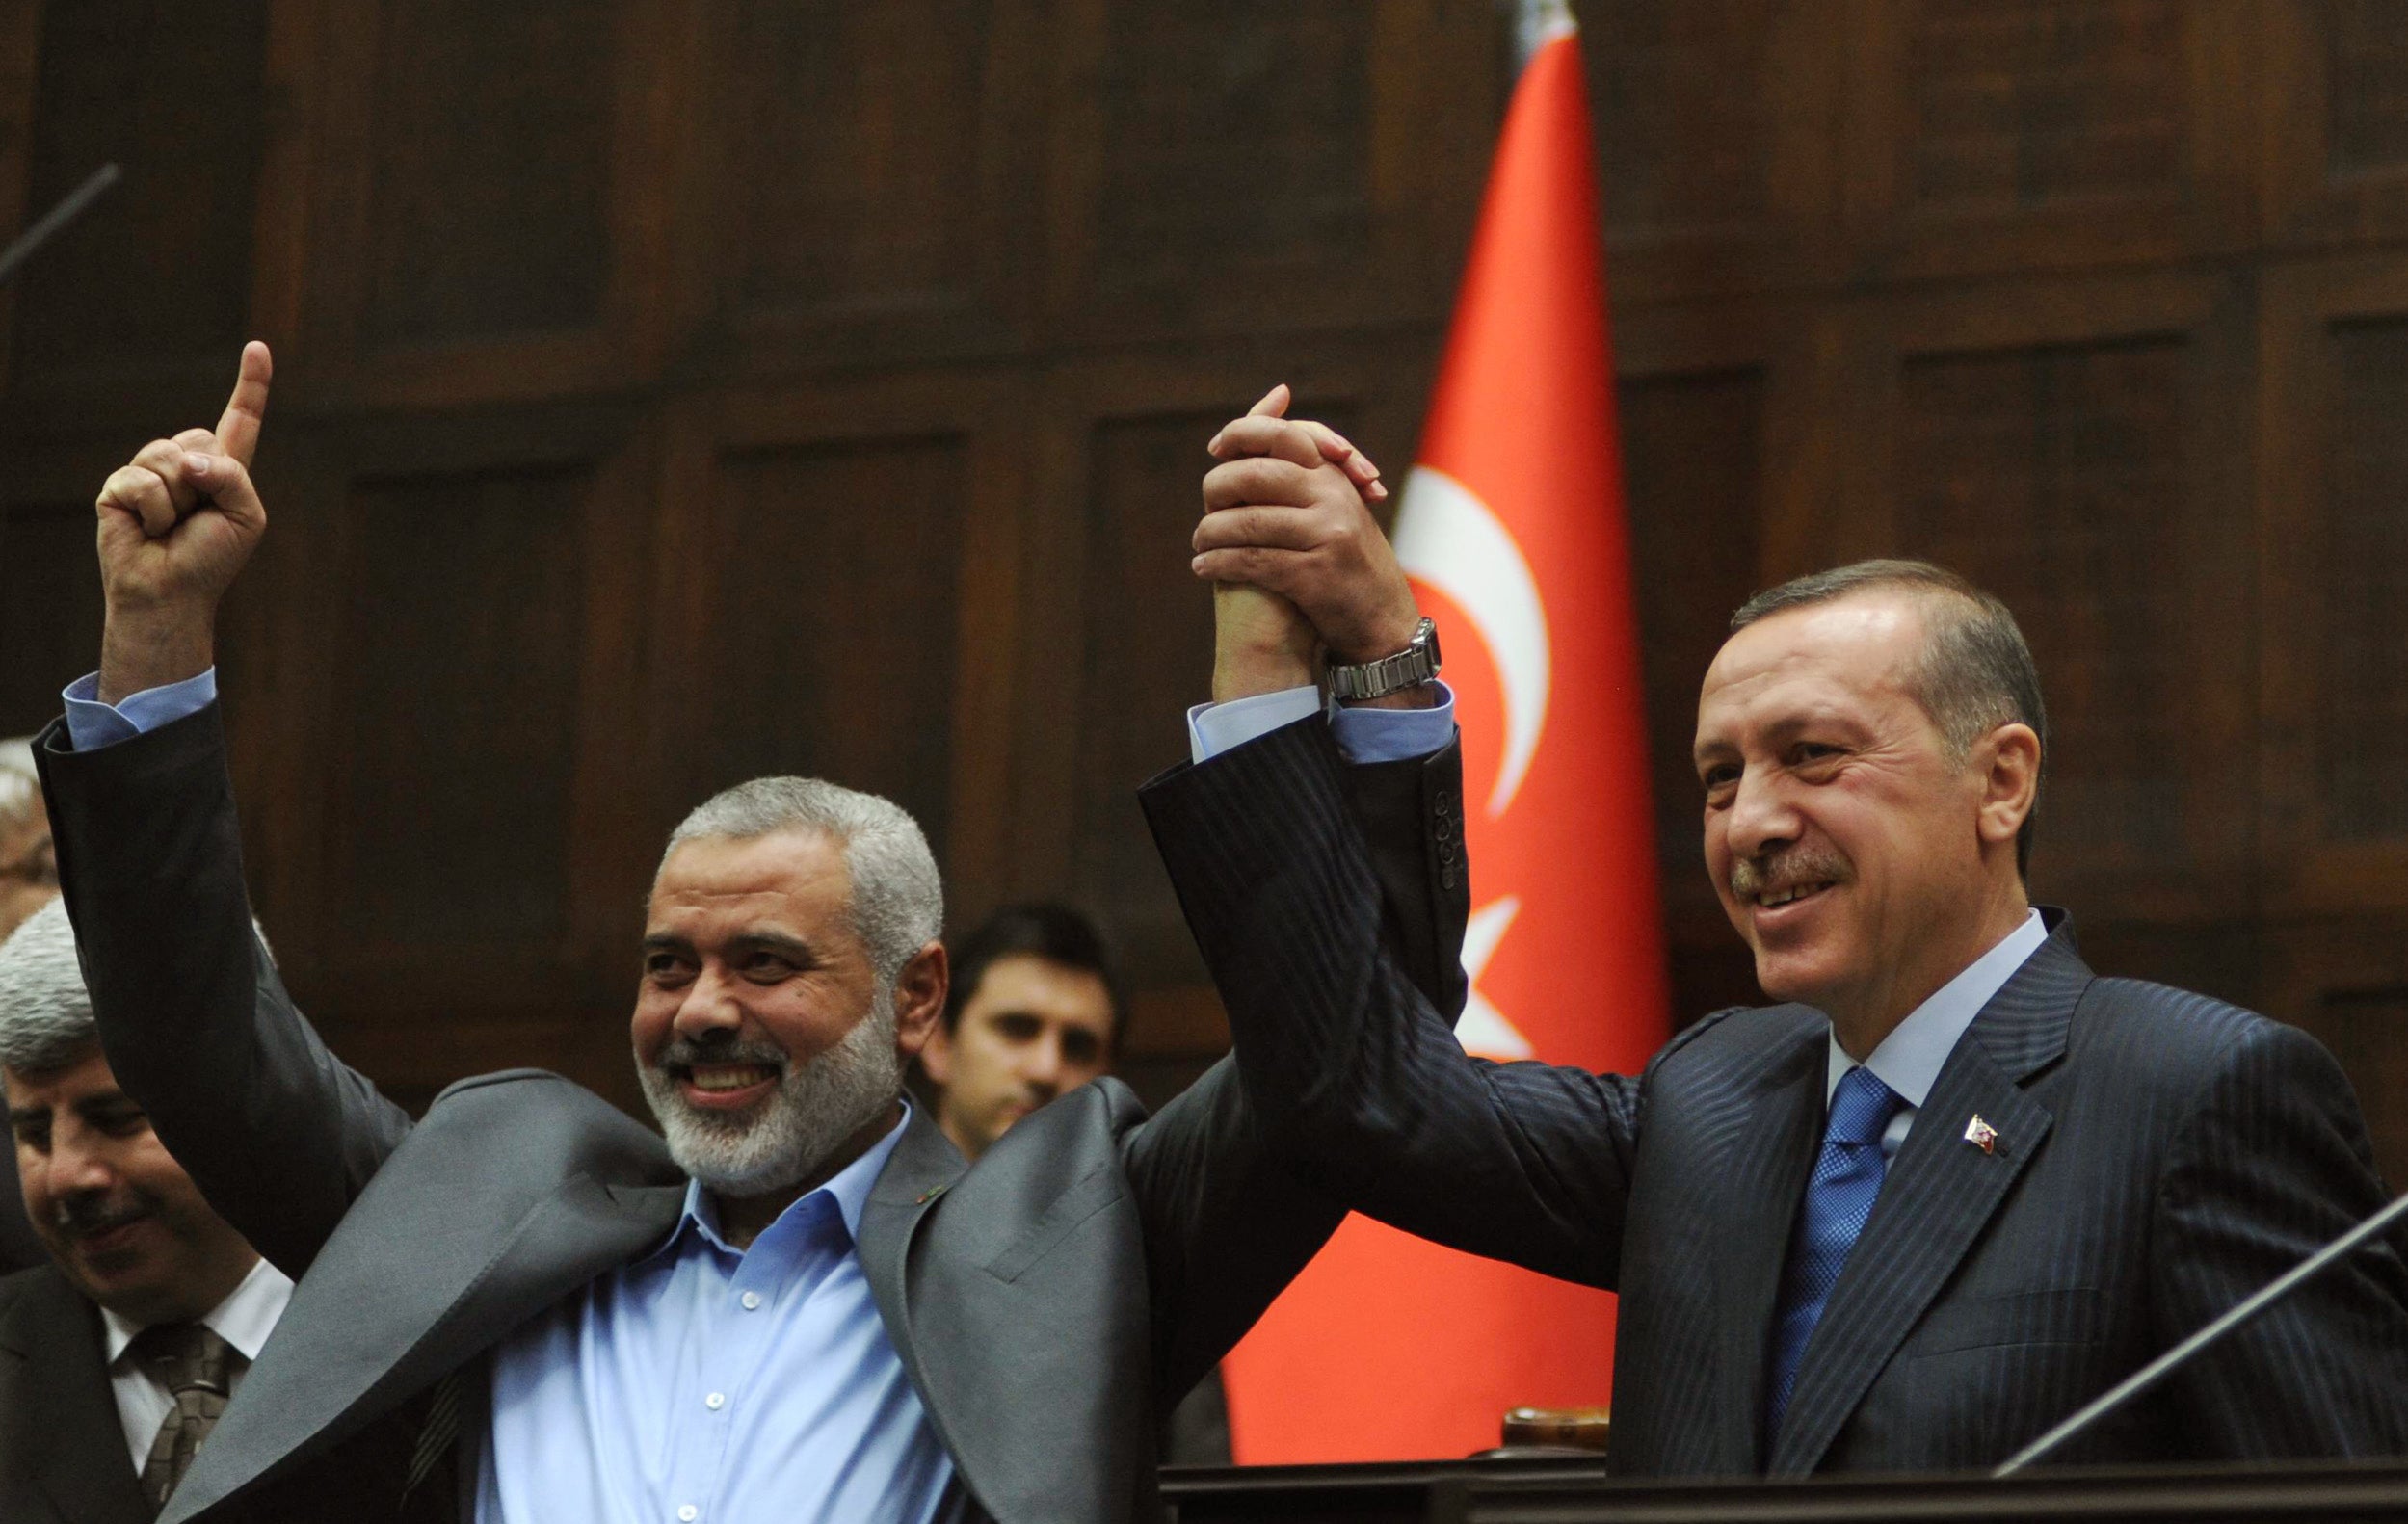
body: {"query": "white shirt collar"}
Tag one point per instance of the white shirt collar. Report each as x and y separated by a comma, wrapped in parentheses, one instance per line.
(244, 1318)
(1909, 1058)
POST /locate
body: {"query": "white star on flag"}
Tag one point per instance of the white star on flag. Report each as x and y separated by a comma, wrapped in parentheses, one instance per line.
(1483, 1029)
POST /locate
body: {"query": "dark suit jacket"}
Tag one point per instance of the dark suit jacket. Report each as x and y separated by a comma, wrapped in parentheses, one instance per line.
(2158, 1156)
(62, 1456)
(1046, 1305)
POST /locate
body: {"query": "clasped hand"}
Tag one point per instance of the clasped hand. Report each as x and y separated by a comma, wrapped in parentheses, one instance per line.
(1301, 573)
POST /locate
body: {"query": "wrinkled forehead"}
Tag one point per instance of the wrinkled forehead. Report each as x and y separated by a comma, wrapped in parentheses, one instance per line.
(1848, 658)
(797, 879)
(82, 1078)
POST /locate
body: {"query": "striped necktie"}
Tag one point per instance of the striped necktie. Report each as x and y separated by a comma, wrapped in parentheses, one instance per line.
(200, 1370)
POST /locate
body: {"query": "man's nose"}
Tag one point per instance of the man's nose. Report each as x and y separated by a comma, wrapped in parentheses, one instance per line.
(1044, 1065)
(710, 1004)
(1761, 817)
(79, 1168)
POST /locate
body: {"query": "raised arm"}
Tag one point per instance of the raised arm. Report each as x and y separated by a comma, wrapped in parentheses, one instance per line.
(1341, 1009)
(279, 1134)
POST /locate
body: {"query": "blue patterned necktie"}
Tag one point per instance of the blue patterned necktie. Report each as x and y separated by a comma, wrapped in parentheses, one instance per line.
(1847, 1177)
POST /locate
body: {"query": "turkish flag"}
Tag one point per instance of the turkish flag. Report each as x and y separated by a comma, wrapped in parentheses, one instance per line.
(1512, 526)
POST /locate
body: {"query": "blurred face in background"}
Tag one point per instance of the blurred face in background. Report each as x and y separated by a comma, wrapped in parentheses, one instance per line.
(29, 870)
(120, 1217)
(1033, 1029)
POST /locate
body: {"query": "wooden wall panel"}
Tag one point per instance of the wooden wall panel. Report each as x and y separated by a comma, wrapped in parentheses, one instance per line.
(449, 790)
(832, 648)
(1692, 455)
(2338, 139)
(157, 276)
(1991, 135)
(501, 230)
(1718, 141)
(50, 612)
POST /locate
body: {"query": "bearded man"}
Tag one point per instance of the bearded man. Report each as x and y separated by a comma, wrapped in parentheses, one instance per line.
(804, 1306)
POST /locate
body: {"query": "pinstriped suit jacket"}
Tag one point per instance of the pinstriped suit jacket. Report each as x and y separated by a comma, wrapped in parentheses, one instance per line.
(2158, 1156)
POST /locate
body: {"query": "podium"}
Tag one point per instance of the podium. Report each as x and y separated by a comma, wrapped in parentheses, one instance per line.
(1577, 1490)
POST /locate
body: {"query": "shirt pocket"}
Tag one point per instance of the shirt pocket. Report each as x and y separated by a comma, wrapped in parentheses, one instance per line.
(1092, 1192)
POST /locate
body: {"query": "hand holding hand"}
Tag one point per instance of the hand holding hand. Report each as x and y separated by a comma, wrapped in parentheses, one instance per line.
(1285, 513)
(176, 524)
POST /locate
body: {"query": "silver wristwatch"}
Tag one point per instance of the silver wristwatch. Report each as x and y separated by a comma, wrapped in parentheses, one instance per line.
(1417, 663)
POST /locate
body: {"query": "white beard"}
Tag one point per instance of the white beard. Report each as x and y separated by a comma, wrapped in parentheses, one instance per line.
(816, 1106)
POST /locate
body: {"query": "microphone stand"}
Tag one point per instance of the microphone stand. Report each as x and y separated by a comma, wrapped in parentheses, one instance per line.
(2164, 1365)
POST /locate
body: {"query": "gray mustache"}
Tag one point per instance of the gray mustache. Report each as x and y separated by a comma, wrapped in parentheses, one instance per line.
(684, 1053)
(1751, 878)
(83, 1216)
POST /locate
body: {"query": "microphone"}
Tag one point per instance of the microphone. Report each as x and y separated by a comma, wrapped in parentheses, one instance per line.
(2175, 1358)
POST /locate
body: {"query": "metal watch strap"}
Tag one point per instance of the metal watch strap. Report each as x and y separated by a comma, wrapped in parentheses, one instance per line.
(1417, 663)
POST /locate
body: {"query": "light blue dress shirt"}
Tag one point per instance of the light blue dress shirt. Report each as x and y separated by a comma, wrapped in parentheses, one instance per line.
(704, 1384)
(1364, 735)
(1909, 1058)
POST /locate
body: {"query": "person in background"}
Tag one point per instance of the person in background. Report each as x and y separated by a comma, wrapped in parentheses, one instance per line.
(29, 879)
(121, 1348)
(1036, 1008)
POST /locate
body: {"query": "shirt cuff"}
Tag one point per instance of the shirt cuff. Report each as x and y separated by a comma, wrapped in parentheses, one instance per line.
(1363, 735)
(91, 725)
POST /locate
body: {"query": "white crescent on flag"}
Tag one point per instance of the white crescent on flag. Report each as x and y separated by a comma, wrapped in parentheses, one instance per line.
(1447, 538)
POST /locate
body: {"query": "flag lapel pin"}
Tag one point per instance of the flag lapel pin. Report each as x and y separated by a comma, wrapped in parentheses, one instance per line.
(1981, 1135)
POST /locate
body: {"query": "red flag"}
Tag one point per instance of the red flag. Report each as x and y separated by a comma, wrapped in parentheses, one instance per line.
(1512, 526)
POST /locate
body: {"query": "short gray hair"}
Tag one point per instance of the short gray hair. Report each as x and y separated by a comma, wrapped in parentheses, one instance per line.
(45, 1013)
(897, 901)
(1975, 673)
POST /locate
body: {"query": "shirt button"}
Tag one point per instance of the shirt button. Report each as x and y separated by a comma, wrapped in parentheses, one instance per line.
(689, 1514)
(752, 1301)
(715, 1401)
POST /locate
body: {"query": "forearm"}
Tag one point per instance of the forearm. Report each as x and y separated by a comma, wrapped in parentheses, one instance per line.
(197, 1028)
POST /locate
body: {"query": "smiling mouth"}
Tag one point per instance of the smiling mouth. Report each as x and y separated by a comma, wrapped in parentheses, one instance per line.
(724, 1079)
(1791, 894)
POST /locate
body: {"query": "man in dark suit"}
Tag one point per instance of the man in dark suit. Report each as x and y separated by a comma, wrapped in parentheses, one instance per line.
(118, 1353)
(1950, 1188)
(525, 1304)
(29, 879)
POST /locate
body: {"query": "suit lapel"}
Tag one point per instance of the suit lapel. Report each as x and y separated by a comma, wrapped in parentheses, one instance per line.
(358, 1339)
(923, 1164)
(1940, 1192)
(60, 1394)
(1772, 1122)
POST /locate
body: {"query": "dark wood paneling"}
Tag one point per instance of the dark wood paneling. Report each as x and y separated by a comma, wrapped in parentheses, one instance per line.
(2364, 577)
(2020, 103)
(158, 273)
(501, 229)
(835, 574)
(2053, 476)
(850, 135)
(449, 800)
(49, 610)
(1140, 672)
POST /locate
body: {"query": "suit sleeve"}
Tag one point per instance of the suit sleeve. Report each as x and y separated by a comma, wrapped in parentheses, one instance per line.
(1350, 1059)
(2274, 1164)
(1229, 1224)
(280, 1135)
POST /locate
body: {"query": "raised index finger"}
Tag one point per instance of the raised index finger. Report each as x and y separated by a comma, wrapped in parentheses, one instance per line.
(238, 431)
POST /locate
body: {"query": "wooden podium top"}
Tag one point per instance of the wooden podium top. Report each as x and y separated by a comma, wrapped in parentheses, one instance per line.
(1575, 1490)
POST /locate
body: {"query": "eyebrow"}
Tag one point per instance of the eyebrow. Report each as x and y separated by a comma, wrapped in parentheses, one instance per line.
(767, 941)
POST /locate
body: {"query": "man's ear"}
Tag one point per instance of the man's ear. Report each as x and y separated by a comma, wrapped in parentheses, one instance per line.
(2009, 762)
(935, 1059)
(920, 1000)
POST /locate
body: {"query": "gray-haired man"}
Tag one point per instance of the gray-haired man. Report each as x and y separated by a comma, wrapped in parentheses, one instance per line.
(804, 1306)
(116, 1357)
